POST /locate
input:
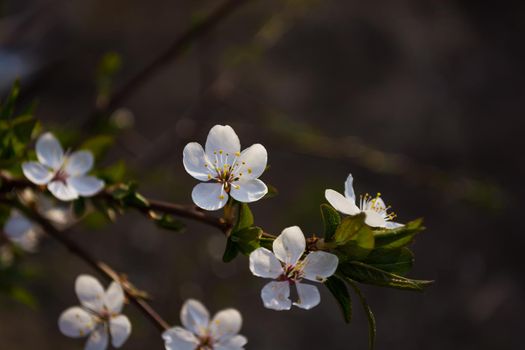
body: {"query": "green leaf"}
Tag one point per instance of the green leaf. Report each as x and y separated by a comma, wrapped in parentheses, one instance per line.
(79, 207)
(340, 292)
(348, 228)
(368, 274)
(98, 145)
(372, 329)
(331, 220)
(8, 107)
(23, 296)
(359, 246)
(398, 261)
(168, 222)
(247, 240)
(244, 218)
(398, 237)
(231, 251)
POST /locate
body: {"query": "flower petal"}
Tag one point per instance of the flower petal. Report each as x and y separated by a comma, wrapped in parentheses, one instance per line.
(120, 329)
(264, 264)
(248, 191)
(289, 245)
(341, 203)
(86, 186)
(226, 324)
(76, 322)
(275, 295)
(37, 173)
(195, 161)
(178, 338)
(252, 162)
(114, 298)
(17, 225)
(195, 317)
(49, 151)
(209, 196)
(222, 138)
(62, 191)
(234, 343)
(79, 163)
(90, 293)
(319, 265)
(349, 188)
(374, 219)
(308, 296)
(98, 340)
(392, 225)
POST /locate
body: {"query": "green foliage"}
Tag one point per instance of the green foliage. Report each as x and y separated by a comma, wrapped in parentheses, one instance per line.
(168, 222)
(244, 237)
(338, 288)
(365, 273)
(398, 261)
(331, 220)
(127, 195)
(398, 237)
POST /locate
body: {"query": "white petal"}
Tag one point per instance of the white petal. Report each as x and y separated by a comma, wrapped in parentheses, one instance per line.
(252, 162)
(222, 138)
(195, 161)
(374, 219)
(37, 173)
(76, 322)
(318, 266)
(275, 296)
(225, 324)
(90, 293)
(234, 343)
(79, 163)
(120, 329)
(49, 151)
(17, 225)
(98, 340)
(248, 191)
(308, 296)
(178, 338)
(62, 191)
(195, 317)
(349, 188)
(28, 241)
(264, 264)
(209, 196)
(114, 298)
(86, 186)
(392, 225)
(290, 245)
(341, 203)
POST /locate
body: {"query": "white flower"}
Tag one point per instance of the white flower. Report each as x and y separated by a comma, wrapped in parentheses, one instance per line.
(286, 266)
(98, 316)
(64, 174)
(199, 333)
(227, 170)
(375, 209)
(22, 231)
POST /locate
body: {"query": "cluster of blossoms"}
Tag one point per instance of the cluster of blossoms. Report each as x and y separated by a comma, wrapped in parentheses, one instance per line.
(227, 174)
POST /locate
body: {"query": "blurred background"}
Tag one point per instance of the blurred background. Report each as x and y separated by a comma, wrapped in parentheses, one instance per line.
(421, 100)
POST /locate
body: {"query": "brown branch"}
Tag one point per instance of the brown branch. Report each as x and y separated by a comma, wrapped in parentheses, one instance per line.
(103, 268)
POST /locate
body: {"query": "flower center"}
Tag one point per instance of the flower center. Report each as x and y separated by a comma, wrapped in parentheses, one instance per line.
(226, 169)
(61, 175)
(206, 343)
(292, 273)
(367, 202)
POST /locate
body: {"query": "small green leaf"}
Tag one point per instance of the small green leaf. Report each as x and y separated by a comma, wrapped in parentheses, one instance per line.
(348, 228)
(168, 222)
(247, 240)
(331, 220)
(98, 145)
(372, 329)
(360, 245)
(398, 237)
(340, 292)
(231, 251)
(398, 261)
(368, 274)
(244, 218)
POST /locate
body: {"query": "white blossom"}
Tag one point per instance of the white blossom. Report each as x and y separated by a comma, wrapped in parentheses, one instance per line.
(199, 333)
(63, 174)
(22, 231)
(225, 170)
(98, 316)
(287, 267)
(376, 211)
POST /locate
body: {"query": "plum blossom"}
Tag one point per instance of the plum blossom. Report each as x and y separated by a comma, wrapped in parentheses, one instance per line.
(225, 170)
(22, 231)
(376, 211)
(287, 268)
(199, 333)
(99, 315)
(63, 174)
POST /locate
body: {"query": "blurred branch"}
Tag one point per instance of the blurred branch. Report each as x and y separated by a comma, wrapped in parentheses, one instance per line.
(104, 269)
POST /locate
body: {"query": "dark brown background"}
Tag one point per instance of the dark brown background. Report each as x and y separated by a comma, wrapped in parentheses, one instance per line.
(430, 92)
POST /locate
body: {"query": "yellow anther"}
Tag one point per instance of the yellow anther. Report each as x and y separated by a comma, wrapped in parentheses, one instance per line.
(249, 171)
(214, 152)
(220, 151)
(238, 154)
(209, 177)
(221, 196)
